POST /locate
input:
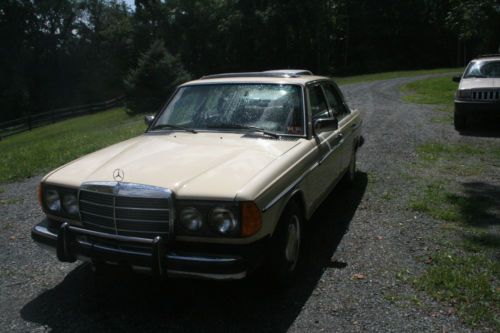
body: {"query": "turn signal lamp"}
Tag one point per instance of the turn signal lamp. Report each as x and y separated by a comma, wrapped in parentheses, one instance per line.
(251, 219)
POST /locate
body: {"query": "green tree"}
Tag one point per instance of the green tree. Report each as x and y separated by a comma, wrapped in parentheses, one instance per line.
(106, 49)
(154, 79)
(58, 53)
(476, 24)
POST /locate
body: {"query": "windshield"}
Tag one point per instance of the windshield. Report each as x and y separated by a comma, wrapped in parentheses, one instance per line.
(483, 69)
(275, 108)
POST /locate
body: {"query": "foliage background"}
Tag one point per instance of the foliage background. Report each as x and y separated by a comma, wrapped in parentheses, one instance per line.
(58, 53)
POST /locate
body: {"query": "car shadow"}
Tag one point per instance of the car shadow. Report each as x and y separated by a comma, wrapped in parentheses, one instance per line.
(479, 205)
(133, 302)
(480, 209)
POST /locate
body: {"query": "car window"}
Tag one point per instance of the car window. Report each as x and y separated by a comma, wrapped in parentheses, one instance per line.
(319, 108)
(271, 107)
(335, 101)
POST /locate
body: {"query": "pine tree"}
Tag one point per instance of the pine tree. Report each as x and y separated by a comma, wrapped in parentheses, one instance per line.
(149, 85)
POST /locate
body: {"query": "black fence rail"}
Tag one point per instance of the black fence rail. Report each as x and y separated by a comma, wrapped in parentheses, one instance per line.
(27, 123)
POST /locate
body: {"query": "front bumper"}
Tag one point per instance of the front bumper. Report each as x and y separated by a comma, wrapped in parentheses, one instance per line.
(469, 108)
(162, 258)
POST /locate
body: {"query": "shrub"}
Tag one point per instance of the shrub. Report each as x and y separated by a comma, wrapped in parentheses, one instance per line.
(153, 80)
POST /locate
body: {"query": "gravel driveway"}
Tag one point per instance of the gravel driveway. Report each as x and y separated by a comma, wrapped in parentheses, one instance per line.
(358, 250)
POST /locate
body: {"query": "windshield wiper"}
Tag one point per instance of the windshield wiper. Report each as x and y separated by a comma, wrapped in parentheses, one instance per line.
(240, 126)
(477, 76)
(161, 126)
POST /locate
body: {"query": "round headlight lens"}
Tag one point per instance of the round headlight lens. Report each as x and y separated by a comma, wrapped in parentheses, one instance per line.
(52, 200)
(70, 204)
(222, 221)
(191, 219)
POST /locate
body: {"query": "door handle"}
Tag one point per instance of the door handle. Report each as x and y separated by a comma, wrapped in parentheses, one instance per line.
(353, 125)
(337, 140)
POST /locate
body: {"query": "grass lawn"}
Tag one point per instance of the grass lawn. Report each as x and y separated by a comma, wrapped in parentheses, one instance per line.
(455, 186)
(32, 153)
(394, 75)
(439, 90)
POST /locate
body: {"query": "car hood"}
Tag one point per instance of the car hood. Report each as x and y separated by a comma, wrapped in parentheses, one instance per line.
(198, 166)
(479, 83)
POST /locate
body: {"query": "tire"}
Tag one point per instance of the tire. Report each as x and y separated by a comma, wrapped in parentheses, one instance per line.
(286, 246)
(459, 122)
(350, 174)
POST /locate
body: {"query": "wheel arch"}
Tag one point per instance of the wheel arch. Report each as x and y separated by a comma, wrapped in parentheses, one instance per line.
(358, 142)
(295, 197)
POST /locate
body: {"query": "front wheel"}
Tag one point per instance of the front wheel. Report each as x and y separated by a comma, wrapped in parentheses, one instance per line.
(286, 245)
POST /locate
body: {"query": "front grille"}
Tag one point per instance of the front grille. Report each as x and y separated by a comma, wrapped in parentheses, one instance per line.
(486, 95)
(126, 209)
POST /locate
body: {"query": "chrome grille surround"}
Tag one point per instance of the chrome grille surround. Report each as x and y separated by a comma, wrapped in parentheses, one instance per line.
(127, 209)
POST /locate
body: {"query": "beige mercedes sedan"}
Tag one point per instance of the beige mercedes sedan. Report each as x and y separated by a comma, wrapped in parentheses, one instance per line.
(220, 185)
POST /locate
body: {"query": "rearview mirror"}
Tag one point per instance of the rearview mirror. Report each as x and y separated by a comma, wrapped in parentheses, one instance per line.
(321, 125)
(457, 78)
(148, 120)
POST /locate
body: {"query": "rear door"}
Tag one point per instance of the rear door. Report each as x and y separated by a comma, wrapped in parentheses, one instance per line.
(347, 124)
(328, 142)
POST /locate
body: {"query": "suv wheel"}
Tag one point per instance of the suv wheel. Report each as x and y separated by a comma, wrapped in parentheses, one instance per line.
(286, 245)
(459, 122)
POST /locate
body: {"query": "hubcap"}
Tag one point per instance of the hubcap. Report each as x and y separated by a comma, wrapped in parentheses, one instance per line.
(293, 242)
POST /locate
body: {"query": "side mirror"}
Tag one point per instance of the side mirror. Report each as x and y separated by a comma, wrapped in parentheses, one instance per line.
(457, 78)
(148, 120)
(321, 125)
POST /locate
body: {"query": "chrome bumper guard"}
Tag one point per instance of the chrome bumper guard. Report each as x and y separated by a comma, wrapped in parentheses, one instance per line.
(160, 259)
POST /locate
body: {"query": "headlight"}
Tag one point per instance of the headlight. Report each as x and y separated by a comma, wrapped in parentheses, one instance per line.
(464, 94)
(52, 200)
(60, 201)
(70, 203)
(191, 219)
(208, 218)
(222, 221)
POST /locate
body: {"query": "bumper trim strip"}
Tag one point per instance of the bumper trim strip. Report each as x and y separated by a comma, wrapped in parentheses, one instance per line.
(111, 236)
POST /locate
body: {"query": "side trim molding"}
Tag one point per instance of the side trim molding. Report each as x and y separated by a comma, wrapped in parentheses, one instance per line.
(290, 188)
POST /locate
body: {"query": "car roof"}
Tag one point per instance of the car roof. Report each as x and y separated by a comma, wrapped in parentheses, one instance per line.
(291, 71)
(280, 76)
(488, 57)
